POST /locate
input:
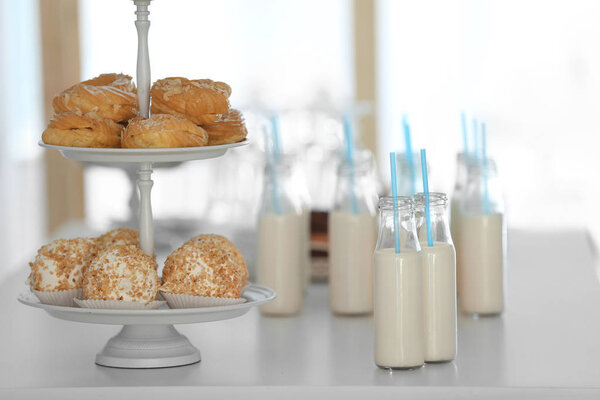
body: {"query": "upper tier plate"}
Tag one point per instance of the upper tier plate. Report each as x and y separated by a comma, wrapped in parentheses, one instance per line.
(100, 155)
(254, 295)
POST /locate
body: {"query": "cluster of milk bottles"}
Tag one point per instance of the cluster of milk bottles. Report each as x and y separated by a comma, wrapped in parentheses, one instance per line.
(411, 293)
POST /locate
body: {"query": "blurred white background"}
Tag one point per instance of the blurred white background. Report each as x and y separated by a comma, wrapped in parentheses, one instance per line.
(530, 69)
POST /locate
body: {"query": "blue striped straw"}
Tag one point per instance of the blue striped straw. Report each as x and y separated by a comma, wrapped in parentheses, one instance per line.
(409, 155)
(486, 192)
(395, 202)
(426, 191)
(273, 173)
(350, 158)
(475, 141)
(463, 121)
(276, 138)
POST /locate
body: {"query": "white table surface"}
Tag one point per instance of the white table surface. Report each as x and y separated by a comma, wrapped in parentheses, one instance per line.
(546, 345)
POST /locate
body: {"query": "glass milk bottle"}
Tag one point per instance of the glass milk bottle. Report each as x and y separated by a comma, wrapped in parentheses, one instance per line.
(398, 289)
(439, 279)
(459, 190)
(481, 266)
(280, 245)
(352, 238)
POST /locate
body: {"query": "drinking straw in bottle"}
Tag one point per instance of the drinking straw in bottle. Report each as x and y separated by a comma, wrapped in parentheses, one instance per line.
(395, 202)
(272, 171)
(350, 159)
(486, 192)
(426, 191)
(409, 154)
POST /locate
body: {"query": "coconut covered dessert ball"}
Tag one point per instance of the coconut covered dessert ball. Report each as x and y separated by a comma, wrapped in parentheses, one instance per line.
(225, 245)
(121, 273)
(60, 265)
(119, 237)
(204, 266)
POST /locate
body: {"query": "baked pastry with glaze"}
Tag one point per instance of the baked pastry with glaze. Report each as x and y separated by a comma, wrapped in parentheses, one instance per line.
(61, 264)
(228, 128)
(199, 100)
(77, 130)
(111, 96)
(203, 268)
(225, 245)
(123, 273)
(119, 237)
(163, 130)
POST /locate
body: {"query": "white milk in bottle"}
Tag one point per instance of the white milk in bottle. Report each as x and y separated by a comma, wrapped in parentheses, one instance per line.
(439, 279)
(482, 256)
(280, 242)
(482, 281)
(398, 290)
(352, 241)
(279, 262)
(352, 237)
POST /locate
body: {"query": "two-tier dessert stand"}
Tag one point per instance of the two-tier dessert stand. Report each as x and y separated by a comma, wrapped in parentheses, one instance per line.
(148, 338)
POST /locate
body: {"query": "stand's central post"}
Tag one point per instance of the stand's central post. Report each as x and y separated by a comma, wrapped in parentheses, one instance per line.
(143, 58)
(146, 229)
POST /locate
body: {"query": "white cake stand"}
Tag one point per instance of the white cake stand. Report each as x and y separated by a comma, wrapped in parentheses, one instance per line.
(148, 338)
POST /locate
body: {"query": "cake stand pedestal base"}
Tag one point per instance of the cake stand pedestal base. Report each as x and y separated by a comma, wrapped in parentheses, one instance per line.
(148, 346)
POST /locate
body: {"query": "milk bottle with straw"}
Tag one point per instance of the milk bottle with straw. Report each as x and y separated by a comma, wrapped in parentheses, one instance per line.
(460, 183)
(464, 160)
(301, 191)
(280, 245)
(398, 284)
(439, 273)
(482, 240)
(352, 233)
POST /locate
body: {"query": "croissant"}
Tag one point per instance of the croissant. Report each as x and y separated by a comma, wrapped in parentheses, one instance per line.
(163, 130)
(110, 96)
(88, 130)
(201, 100)
(228, 128)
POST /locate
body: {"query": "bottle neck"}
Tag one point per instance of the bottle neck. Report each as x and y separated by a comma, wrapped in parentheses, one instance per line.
(483, 193)
(400, 218)
(438, 217)
(356, 190)
(279, 195)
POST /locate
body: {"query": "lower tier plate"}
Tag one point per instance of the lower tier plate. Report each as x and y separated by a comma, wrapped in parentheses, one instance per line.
(254, 295)
(177, 154)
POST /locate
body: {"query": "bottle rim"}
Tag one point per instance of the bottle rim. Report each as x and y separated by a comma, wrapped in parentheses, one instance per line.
(404, 203)
(435, 199)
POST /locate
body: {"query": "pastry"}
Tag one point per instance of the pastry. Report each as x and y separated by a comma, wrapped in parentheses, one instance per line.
(224, 244)
(228, 128)
(119, 237)
(76, 130)
(111, 96)
(121, 273)
(203, 268)
(163, 130)
(201, 100)
(60, 265)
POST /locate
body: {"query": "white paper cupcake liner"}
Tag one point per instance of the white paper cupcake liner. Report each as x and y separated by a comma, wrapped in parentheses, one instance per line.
(190, 301)
(119, 304)
(63, 298)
